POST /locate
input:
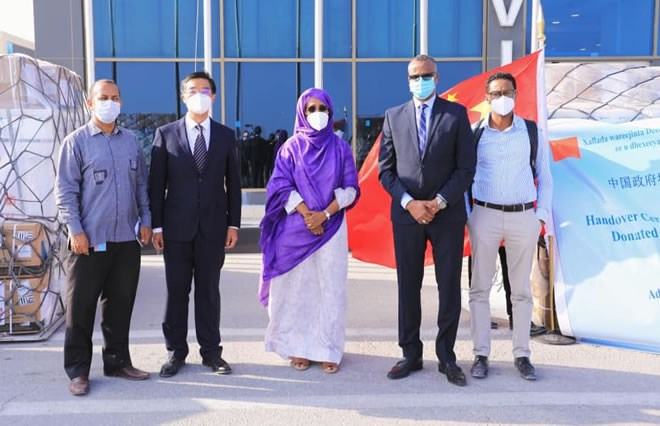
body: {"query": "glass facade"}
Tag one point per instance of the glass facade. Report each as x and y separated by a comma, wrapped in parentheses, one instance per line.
(263, 50)
(598, 28)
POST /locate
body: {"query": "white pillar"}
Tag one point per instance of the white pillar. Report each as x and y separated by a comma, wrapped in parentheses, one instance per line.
(424, 27)
(318, 44)
(90, 73)
(207, 37)
(208, 42)
(533, 38)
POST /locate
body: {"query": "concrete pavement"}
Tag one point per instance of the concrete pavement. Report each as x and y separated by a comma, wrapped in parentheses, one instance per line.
(578, 384)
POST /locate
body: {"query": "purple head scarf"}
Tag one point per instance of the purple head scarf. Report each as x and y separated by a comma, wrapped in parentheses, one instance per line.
(314, 163)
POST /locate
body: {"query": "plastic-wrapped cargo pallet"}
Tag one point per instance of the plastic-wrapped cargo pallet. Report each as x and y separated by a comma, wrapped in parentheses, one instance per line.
(40, 103)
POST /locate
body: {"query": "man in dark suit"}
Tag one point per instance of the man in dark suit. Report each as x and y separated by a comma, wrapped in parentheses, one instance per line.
(426, 164)
(195, 195)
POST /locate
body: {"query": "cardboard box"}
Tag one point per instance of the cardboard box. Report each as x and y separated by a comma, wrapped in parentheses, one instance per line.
(22, 299)
(23, 244)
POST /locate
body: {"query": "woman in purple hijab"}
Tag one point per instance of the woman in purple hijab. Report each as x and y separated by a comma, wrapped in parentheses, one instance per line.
(304, 239)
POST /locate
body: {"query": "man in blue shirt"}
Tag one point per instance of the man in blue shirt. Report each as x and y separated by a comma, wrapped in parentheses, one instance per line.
(504, 210)
(101, 194)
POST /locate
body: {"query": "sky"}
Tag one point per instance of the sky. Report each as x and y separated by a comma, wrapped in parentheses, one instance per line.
(17, 18)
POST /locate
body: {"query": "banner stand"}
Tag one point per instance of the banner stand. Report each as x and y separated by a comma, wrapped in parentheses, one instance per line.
(553, 335)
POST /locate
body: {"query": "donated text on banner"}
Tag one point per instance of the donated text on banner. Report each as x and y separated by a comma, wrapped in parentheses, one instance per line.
(606, 210)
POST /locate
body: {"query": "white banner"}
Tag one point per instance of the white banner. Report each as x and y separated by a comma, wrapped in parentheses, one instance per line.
(606, 211)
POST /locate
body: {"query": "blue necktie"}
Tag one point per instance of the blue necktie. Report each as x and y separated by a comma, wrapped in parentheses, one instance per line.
(421, 129)
(199, 153)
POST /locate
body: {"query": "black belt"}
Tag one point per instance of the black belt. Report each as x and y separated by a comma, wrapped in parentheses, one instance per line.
(508, 208)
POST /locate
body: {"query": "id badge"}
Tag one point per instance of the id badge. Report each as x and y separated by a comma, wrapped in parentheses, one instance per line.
(100, 247)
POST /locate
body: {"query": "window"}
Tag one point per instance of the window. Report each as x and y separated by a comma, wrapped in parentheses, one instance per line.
(147, 87)
(261, 29)
(336, 29)
(455, 28)
(386, 29)
(152, 28)
(271, 104)
(597, 27)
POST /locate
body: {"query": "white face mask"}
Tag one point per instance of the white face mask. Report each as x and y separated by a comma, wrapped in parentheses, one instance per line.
(318, 120)
(502, 105)
(106, 111)
(198, 103)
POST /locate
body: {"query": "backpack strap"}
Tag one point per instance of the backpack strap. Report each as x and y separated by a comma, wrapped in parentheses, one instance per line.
(533, 132)
(478, 131)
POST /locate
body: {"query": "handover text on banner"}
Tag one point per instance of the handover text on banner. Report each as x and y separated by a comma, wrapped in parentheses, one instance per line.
(606, 211)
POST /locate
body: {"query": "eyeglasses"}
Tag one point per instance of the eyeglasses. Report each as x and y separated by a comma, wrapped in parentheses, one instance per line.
(312, 108)
(425, 77)
(498, 93)
(192, 91)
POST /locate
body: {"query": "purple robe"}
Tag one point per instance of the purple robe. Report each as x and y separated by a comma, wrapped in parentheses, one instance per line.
(314, 163)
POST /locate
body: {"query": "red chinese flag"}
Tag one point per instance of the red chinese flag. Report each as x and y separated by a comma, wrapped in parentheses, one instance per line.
(369, 226)
(565, 148)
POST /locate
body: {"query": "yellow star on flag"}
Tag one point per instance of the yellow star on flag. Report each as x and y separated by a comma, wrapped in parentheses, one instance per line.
(483, 108)
(452, 97)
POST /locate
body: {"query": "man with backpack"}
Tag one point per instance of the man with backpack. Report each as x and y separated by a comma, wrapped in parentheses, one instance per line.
(509, 207)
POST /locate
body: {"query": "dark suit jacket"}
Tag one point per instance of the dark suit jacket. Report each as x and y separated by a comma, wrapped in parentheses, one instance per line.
(183, 202)
(447, 167)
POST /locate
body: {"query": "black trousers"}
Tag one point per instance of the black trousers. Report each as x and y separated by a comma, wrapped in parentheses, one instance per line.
(113, 277)
(409, 247)
(201, 259)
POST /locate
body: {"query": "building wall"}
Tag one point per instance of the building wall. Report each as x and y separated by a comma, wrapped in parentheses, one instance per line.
(58, 33)
(263, 49)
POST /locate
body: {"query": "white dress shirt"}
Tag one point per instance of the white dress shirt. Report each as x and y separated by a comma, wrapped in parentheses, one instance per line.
(192, 133)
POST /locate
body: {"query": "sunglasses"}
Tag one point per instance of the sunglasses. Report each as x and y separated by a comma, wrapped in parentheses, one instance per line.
(425, 77)
(192, 91)
(313, 108)
(496, 94)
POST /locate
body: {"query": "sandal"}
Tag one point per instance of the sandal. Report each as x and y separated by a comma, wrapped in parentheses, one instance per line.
(300, 364)
(330, 367)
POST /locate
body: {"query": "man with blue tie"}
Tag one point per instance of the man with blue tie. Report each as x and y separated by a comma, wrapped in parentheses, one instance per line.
(426, 164)
(195, 195)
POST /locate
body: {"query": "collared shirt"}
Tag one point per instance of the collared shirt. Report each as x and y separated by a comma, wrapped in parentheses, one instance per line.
(504, 175)
(192, 133)
(101, 185)
(406, 198)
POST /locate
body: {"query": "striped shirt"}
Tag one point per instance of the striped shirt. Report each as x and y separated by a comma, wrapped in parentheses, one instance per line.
(504, 175)
(101, 185)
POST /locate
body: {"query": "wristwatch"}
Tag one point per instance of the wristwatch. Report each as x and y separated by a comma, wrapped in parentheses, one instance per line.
(441, 203)
(327, 214)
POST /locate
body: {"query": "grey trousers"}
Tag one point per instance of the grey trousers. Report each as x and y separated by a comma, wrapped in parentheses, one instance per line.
(519, 231)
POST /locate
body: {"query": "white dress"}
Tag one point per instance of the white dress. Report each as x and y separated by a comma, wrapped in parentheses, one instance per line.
(307, 305)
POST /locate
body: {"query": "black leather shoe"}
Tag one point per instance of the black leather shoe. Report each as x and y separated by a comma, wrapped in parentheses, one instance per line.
(493, 325)
(453, 372)
(536, 330)
(217, 364)
(404, 367)
(479, 368)
(171, 367)
(526, 369)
